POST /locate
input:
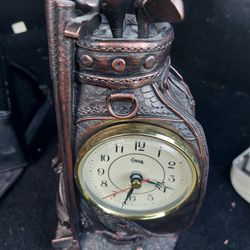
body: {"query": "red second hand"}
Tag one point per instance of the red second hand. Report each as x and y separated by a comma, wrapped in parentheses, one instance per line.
(115, 193)
(123, 190)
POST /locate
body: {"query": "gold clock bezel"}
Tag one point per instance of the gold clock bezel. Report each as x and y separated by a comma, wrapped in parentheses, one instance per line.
(143, 129)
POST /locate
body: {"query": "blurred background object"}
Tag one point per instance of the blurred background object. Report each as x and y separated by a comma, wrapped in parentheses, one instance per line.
(211, 50)
(240, 175)
(12, 155)
(23, 106)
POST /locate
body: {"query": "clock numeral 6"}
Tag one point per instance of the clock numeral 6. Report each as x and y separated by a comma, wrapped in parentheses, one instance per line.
(104, 183)
(140, 146)
(100, 171)
(132, 198)
(105, 158)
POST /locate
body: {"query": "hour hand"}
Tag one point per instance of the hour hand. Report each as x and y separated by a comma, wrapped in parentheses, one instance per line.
(128, 196)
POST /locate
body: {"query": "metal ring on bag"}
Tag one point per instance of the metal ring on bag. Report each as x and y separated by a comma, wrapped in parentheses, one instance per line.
(123, 97)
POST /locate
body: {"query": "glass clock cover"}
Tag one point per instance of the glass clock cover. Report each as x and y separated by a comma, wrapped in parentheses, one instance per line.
(139, 175)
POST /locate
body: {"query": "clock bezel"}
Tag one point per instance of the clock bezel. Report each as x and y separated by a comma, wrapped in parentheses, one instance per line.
(143, 129)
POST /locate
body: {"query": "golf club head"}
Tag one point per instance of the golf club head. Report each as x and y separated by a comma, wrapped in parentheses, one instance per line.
(180, 12)
(156, 11)
(83, 26)
(170, 11)
(115, 12)
(88, 5)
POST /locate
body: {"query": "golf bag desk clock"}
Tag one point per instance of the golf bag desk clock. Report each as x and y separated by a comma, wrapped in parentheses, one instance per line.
(132, 158)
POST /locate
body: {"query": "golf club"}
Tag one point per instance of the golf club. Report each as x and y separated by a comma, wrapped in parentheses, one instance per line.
(88, 5)
(115, 12)
(156, 11)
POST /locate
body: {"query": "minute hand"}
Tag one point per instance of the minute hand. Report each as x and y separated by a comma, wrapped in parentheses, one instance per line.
(159, 185)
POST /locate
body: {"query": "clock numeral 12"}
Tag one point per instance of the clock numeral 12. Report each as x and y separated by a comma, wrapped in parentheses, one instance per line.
(140, 146)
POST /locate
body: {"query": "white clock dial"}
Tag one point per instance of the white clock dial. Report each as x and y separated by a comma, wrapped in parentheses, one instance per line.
(136, 175)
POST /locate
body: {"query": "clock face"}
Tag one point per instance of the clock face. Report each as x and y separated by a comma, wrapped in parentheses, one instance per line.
(136, 174)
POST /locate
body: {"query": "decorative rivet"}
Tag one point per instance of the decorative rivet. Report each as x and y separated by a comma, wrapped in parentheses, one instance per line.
(119, 65)
(86, 60)
(149, 62)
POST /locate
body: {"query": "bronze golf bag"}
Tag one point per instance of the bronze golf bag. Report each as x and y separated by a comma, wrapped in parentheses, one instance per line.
(101, 81)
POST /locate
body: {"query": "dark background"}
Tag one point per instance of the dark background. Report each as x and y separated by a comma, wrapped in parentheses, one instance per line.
(212, 52)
